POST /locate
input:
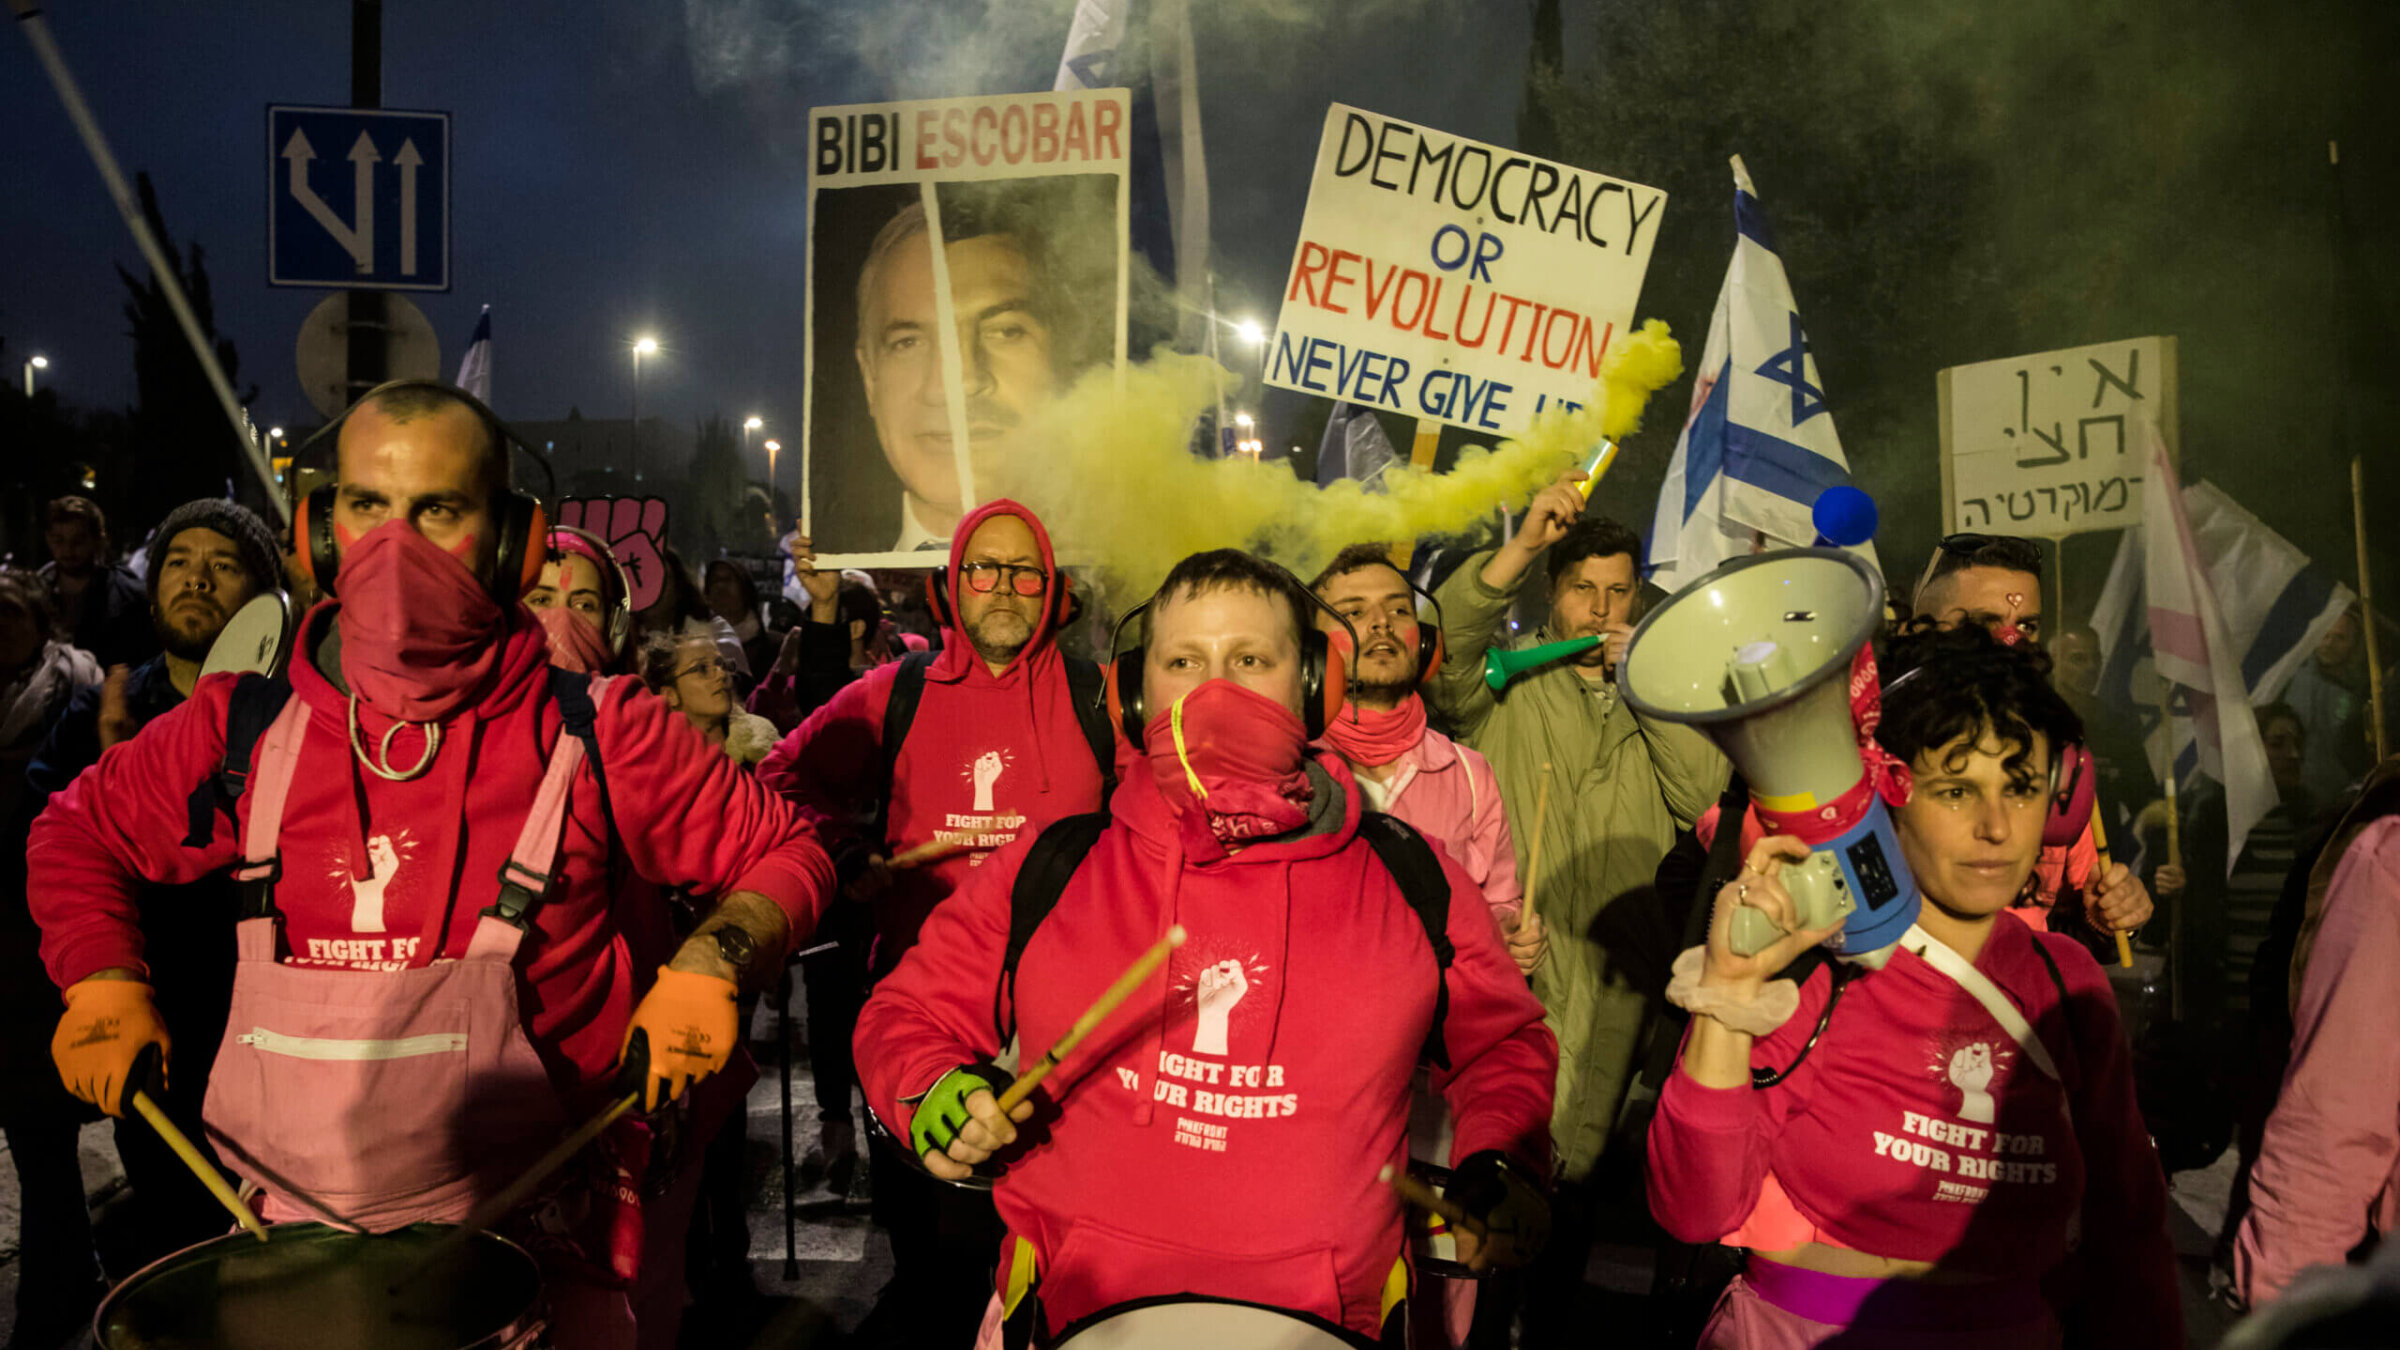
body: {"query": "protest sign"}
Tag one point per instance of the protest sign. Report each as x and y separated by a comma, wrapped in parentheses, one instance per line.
(967, 261)
(1455, 281)
(2050, 445)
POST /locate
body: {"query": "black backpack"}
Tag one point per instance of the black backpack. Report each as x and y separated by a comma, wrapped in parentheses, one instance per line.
(1084, 684)
(1061, 848)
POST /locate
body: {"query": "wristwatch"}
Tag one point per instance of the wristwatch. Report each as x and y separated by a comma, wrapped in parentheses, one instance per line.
(735, 945)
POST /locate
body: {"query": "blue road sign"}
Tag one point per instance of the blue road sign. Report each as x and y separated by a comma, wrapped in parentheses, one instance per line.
(358, 198)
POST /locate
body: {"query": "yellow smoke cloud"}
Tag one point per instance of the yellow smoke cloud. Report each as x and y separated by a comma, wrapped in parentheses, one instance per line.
(1116, 481)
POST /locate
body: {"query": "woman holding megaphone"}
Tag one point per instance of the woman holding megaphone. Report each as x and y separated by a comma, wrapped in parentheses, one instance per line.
(1956, 1158)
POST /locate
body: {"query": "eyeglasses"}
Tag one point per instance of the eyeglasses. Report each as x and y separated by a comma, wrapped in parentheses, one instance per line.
(714, 665)
(984, 577)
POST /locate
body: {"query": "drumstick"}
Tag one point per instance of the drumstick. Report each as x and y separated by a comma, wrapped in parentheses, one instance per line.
(209, 1176)
(1533, 863)
(1093, 1016)
(931, 851)
(1423, 1196)
(2100, 843)
(492, 1211)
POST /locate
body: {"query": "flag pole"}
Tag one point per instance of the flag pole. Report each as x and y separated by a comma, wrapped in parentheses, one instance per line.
(2166, 723)
(2366, 605)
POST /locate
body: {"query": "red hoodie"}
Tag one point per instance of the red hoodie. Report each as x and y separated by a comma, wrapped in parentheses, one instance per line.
(987, 758)
(1917, 1129)
(1233, 1154)
(381, 875)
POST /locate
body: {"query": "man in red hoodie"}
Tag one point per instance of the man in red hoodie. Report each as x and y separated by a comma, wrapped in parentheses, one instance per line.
(1222, 1136)
(392, 1055)
(952, 754)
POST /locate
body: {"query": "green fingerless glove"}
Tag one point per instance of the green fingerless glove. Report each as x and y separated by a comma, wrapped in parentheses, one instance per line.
(942, 1112)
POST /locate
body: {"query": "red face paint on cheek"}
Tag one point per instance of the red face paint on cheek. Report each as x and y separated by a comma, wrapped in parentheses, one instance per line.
(342, 535)
(465, 552)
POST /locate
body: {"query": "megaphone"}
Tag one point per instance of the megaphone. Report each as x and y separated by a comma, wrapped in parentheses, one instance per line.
(1501, 666)
(256, 640)
(1757, 655)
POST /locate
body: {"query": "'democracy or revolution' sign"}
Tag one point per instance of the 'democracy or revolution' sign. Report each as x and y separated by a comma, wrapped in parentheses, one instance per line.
(1448, 279)
(2050, 445)
(966, 262)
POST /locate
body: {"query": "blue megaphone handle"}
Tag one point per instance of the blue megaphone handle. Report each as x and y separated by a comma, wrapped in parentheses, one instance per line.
(1880, 883)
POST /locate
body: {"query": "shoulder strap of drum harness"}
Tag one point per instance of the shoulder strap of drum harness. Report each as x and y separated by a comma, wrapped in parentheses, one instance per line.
(1062, 846)
(259, 699)
(908, 688)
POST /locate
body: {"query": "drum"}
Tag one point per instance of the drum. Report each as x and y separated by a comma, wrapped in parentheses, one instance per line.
(1187, 1323)
(313, 1285)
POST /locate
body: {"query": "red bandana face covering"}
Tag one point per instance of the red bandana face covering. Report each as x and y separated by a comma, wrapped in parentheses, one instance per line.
(574, 643)
(1230, 763)
(420, 635)
(1374, 737)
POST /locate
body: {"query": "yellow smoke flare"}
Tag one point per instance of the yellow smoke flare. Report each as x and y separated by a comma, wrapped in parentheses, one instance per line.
(1116, 481)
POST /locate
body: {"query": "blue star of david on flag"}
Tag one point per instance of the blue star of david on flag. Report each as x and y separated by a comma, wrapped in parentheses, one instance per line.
(1790, 366)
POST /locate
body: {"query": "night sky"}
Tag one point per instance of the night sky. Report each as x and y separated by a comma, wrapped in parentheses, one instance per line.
(622, 168)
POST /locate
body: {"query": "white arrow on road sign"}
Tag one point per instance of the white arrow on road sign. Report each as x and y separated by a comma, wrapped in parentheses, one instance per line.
(358, 241)
(409, 161)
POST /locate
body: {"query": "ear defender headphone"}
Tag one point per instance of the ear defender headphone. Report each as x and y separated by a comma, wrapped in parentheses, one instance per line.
(616, 623)
(1430, 652)
(1324, 670)
(518, 521)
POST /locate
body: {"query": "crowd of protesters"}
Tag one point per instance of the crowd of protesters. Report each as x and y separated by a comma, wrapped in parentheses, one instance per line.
(1404, 913)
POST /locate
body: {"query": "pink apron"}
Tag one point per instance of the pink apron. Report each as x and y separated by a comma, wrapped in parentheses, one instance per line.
(374, 1100)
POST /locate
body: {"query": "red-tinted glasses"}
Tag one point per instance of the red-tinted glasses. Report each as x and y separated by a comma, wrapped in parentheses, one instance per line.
(984, 577)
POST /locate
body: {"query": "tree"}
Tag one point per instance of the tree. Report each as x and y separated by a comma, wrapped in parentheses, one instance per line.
(723, 512)
(180, 447)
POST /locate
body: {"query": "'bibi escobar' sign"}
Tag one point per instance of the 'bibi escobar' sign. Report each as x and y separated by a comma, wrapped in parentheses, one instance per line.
(1447, 279)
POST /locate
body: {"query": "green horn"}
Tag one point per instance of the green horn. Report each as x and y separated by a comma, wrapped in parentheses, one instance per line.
(1500, 667)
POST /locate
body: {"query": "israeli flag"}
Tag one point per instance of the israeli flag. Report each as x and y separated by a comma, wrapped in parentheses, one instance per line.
(475, 368)
(1759, 444)
(1354, 447)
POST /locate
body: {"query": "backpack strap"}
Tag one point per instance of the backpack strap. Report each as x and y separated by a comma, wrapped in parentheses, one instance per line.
(528, 873)
(1089, 689)
(257, 700)
(899, 711)
(1410, 860)
(1049, 865)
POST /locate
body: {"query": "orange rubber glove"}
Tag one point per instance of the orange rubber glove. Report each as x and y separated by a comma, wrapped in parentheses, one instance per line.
(108, 1025)
(692, 1025)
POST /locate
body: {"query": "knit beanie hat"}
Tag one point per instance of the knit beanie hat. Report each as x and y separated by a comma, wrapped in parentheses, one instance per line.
(252, 540)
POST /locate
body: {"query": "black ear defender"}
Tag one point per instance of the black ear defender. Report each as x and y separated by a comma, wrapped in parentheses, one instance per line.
(518, 521)
(1324, 670)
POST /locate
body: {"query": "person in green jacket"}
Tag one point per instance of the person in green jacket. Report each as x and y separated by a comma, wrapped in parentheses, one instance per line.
(1620, 787)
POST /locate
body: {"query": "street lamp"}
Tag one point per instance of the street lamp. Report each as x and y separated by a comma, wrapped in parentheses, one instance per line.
(37, 363)
(642, 346)
(772, 447)
(1249, 331)
(751, 424)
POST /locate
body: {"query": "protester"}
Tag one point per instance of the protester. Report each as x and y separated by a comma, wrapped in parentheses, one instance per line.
(102, 607)
(1955, 1159)
(690, 673)
(207, 559)
(2125, 783)
(1404, 767)
(680, 602)
(59, 1276)
(2326, 1185)
(1621, 786)
(1226, 1141)
(997, 735)
(376, 858)
(1994, 582)
(732, 596)
(2329, 693)
(825, 648)
(1991, 581)
(580, 600)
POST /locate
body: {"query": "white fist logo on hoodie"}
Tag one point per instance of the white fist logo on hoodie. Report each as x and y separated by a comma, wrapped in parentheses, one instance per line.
(1221, 986)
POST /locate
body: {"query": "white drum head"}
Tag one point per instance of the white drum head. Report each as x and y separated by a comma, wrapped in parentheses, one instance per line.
(1201, 1324)
(256, 640)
